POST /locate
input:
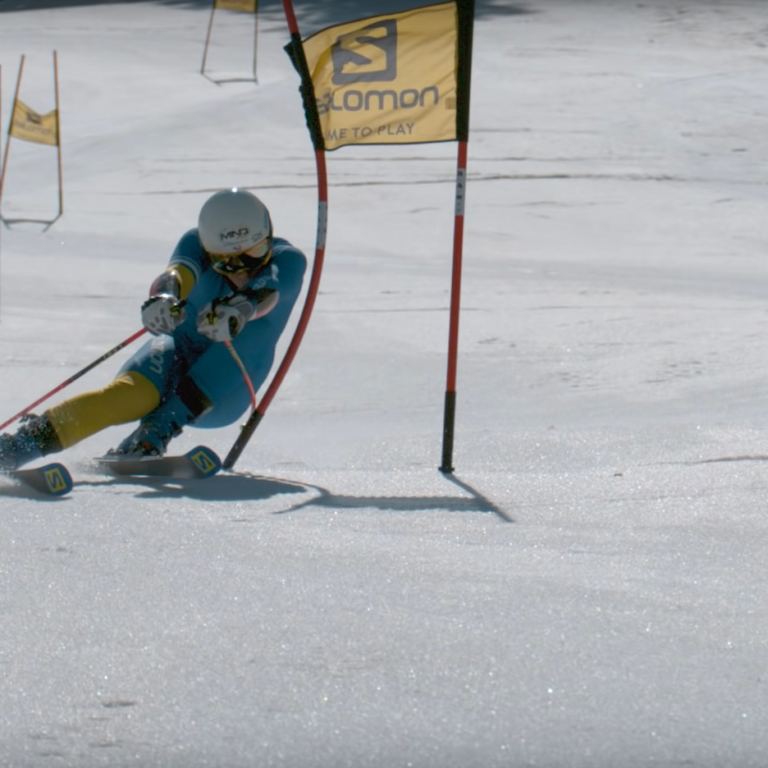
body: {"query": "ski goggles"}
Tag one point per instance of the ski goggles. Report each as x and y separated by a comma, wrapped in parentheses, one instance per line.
(245, 261)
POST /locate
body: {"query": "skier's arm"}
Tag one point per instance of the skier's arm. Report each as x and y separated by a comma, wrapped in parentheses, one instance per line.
(176, 281)
(164, 309)
(264, 301)
(223, 319)
(263, 292)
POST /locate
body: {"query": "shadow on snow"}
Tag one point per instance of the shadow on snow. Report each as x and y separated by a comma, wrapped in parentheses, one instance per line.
(242, 486)
(313, 13)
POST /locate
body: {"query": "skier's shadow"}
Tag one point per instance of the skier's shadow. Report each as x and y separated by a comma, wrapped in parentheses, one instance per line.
(243, 486)
(21, 491)
(222, 487)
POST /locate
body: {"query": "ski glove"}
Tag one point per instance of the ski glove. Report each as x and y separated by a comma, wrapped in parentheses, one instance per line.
(223, 319)
(162, 312)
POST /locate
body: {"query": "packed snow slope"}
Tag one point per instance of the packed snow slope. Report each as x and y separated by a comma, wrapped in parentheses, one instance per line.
(588, 590)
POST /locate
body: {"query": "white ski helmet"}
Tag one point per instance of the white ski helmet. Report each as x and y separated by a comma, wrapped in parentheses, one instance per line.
(233, 222)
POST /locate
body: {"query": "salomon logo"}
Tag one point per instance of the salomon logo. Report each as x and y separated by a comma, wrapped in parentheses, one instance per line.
(55, 480)
(204, 462)
(356, 54)
(369, 55)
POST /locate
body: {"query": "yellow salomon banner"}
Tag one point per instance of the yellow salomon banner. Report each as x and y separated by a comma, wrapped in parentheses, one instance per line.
(28, 125)
(387, 79)
(246, 6)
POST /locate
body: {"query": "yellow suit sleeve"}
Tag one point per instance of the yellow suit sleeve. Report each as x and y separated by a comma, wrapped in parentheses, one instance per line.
(186, 280)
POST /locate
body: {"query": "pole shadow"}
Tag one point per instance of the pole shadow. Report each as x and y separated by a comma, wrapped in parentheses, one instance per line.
(225, 80)
(47, 222)
(717, 460)
(476, 502)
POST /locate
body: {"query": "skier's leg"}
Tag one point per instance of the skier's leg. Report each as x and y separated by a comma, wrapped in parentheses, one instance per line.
(137, 390)
(129, 397)
(179, 402)
(165, 422)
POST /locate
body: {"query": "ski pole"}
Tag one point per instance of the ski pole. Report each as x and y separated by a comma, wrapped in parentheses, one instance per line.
(85, 370)
(243, 370)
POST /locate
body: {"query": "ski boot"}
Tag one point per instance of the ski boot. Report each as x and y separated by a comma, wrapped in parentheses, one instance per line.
(34, 439)
(151, 438)
(167, 421)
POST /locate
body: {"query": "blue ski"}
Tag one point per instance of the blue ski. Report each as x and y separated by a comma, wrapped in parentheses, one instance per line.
(52, 479)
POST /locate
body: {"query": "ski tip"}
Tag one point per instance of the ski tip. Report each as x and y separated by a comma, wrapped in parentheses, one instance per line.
(53, 479)
(205, 460)
(57, 479)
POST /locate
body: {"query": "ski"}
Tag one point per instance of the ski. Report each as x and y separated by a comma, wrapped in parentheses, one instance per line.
(199, 463)
(52, 479)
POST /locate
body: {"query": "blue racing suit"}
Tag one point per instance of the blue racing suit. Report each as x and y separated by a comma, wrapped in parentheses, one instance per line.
(168, 359)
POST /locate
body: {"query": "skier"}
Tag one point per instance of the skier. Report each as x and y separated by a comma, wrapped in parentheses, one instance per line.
(228, 281)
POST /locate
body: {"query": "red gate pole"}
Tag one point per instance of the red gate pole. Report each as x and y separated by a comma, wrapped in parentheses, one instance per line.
(313, 122)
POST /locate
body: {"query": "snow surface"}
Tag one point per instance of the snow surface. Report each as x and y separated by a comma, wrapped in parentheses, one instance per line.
(589, 588)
